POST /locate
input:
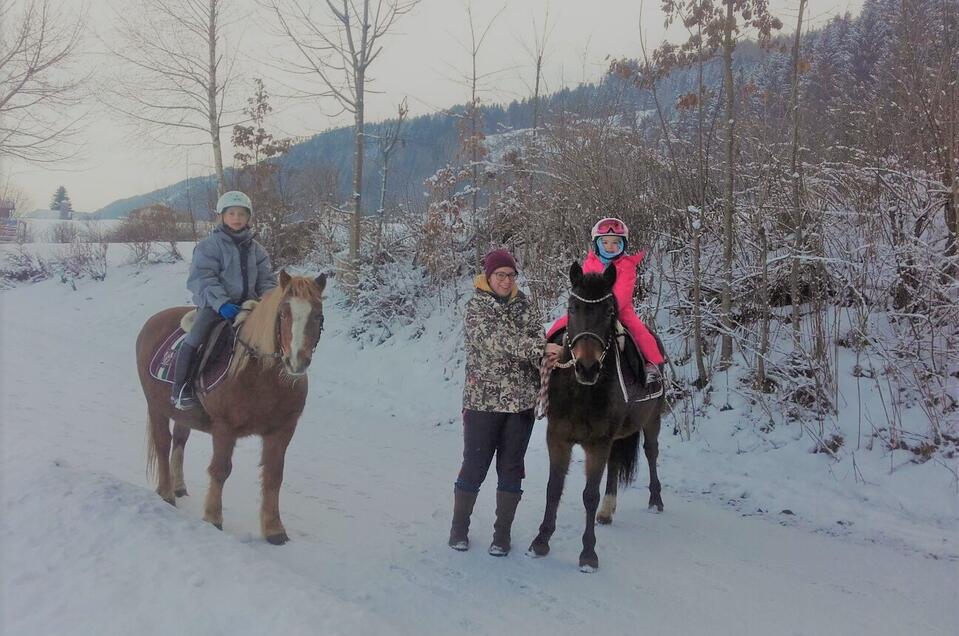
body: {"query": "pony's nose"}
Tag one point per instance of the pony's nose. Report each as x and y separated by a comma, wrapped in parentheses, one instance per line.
(299, 363)
(587, 366)
(587, 370)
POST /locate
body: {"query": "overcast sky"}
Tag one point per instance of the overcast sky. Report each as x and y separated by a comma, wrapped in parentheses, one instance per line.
(423, 60)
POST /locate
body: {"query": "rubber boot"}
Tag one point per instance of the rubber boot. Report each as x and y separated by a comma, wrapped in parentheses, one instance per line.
(653, 374)
(183, 397)
(506, 503)
(463, 502)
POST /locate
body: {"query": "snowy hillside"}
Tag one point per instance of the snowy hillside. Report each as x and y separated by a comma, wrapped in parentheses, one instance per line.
(759, 536)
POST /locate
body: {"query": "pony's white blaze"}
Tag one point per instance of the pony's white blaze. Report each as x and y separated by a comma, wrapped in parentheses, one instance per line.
(300, 311)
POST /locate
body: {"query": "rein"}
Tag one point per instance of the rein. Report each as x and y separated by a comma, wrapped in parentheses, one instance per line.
(251, 350)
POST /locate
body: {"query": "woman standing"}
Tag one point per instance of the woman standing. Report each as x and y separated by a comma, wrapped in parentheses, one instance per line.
(504, 346)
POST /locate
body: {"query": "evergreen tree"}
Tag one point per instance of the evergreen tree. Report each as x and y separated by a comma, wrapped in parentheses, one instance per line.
(58, 196)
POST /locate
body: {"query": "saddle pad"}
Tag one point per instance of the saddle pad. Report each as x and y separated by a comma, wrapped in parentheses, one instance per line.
(163, 363)
(634, 389)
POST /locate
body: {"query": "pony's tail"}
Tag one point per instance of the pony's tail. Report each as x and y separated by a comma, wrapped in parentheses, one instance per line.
(624, 454)
(152, 460)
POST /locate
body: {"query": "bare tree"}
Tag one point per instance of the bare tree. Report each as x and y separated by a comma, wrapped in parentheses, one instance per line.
(537, 53)
(39, 88)
(471, 124)
(926, 99)
(722, 25)
(794, 177)
(177, 72)
(338, 42)
(392, 132)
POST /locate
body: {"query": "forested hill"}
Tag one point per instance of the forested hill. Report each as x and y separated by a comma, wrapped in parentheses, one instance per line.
(846, 51)
(428, 142)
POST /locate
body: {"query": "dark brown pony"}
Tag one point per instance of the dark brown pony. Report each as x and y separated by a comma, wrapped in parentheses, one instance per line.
(263, 394)
(587, 407)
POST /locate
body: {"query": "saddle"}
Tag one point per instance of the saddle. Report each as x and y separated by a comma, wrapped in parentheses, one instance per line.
(215, 355)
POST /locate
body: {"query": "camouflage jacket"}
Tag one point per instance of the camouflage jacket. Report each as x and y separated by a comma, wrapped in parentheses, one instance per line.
(504, 345)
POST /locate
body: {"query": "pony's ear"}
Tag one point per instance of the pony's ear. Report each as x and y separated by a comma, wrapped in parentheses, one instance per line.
(575, 274)
(320, 281)
(609, 276)
(284, 279)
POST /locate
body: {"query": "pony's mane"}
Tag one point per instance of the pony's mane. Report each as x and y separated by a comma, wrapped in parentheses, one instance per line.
(259, 328)
(592, 287)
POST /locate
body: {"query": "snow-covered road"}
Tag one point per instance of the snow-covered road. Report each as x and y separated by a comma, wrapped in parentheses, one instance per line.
(87, 548)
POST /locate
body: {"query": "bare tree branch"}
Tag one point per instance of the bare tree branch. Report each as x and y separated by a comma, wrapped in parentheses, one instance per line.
(176, 72)
(338, 42)
(40, 91)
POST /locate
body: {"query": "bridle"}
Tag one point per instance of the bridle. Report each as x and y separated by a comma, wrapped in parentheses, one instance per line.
(277, 341)
(568, 342)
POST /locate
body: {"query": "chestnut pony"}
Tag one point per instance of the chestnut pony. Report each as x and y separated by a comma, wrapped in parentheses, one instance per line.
(263, 394)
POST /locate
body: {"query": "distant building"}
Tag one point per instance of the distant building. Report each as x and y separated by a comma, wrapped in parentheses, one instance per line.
(159, 211)
(10, 228)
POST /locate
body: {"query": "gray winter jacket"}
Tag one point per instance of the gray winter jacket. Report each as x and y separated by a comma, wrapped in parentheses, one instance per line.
(216, 274)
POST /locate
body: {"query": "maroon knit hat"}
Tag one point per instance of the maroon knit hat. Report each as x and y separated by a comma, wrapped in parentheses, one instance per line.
(496, 259)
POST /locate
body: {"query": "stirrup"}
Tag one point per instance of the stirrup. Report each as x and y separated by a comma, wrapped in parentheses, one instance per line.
(184, 400)
(653, 374)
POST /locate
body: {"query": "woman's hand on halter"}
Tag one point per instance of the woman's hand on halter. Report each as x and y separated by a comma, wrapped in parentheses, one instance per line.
(552, 353)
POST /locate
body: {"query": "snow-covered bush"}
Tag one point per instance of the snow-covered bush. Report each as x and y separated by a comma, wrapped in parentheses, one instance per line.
(24, 267)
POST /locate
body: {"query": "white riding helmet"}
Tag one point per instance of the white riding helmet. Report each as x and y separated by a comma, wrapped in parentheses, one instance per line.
(610, 226)
(231, 199)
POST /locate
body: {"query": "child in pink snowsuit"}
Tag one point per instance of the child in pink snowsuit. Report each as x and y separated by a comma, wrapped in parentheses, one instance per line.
(610, 237)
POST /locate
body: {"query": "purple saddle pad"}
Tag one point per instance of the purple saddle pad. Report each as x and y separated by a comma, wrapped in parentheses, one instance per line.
(163, 363)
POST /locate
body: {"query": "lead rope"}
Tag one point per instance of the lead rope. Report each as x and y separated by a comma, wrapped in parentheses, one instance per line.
(545, 372)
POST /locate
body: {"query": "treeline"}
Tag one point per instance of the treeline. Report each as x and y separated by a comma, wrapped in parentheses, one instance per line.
(796, 210)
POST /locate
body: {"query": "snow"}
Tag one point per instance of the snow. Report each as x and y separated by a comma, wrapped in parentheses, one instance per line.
(41, 229)
(86, 547)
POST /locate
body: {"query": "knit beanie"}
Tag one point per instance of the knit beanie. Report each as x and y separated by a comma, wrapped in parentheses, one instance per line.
(496, 259)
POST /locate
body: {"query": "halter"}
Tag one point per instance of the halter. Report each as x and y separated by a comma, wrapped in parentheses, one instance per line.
(277, 339)
(568, 343)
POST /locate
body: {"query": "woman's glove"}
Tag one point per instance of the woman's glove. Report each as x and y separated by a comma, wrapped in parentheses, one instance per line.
(229, 311)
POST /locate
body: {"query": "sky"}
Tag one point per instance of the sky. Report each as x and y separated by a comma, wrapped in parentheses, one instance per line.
(424, 60)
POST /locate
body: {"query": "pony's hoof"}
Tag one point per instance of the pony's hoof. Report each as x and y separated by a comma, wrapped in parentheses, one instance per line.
(538, 549)
(218, 526)
(654, 507)
(277, 539)
(588, 563)
(181, 492)
(172, 502)
(498, 550)
(604, 520)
